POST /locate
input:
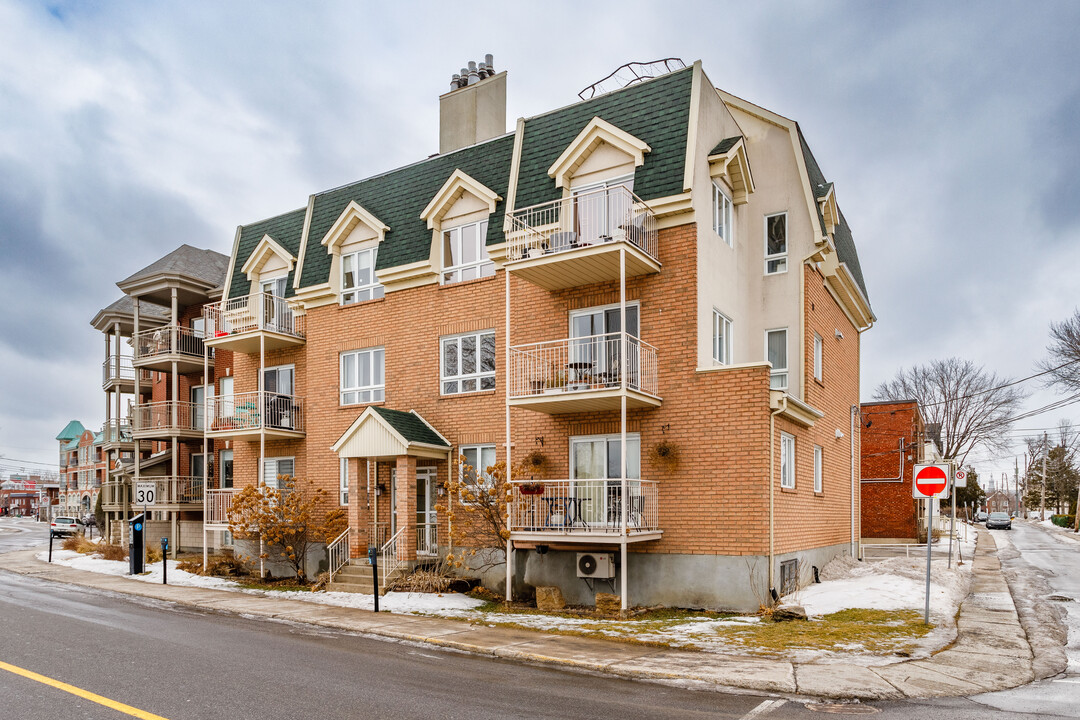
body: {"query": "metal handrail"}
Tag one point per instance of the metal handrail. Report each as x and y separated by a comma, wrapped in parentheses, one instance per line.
(216, 507)
(258, 311)
(337, 553)
(170, 340)
(159, 416)
(594, 362)
(427, 539)
(591, 507)
(255, 410)
(391, 555)
(117, 369)
(594, 217)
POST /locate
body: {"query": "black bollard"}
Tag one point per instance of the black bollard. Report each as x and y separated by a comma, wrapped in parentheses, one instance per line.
(164, 561)
(50, 545)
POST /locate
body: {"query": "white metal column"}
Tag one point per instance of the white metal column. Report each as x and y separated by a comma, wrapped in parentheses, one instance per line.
(624, 351)
(506, 400)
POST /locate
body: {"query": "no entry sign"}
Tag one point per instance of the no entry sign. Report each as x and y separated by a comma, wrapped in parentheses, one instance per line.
(931, 481)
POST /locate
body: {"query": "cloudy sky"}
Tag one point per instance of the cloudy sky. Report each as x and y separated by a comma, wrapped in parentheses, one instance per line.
(128, 128)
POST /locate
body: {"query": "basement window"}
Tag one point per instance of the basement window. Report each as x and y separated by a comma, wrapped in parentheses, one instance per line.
(789, 577)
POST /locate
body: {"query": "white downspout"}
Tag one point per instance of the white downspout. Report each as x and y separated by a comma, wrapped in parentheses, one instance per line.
(509, 461)
(772, 492)
(854, 548)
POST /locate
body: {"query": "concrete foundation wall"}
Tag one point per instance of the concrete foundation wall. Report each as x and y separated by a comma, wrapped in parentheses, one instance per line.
(713, 582)
(248, 552)
(189, 531)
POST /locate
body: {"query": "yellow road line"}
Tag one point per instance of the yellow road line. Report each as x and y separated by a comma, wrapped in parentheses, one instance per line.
(85, 694)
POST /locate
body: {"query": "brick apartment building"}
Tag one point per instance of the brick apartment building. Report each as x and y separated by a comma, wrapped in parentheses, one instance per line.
(20, 495)
(662, 264)
(157, 378)
(82, 469)
(1000, 501)
(894, 438)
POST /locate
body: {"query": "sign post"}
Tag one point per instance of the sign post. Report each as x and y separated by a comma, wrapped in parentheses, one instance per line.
(145, 495)
(959, 479)
(931, 483)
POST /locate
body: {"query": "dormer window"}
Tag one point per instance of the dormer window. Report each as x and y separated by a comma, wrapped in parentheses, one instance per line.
(776, 244)
(465, 254)
(358, 282)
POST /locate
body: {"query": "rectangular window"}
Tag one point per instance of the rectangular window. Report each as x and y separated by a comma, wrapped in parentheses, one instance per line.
(721, 338)
(275, 470)
(723, 215)
(343, 482)
(600, 457)
(468, 363)
(226, 469)
(474, 468)
(358, 281)
(776, 243)
(819, 349)
(787, 460)
(818, 469)
(465, 254)
(776, 349)
(362, 376)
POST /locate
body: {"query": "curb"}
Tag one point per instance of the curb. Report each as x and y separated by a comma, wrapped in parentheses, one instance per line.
(979, 661)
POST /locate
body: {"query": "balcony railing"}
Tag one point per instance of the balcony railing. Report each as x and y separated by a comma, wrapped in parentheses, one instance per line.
(217, 507)
(250, 313)
(583, 506)
(117, 369)
(257, 410)
(190, 417)
(427, 539)
(170, 340)
(116, 431)
(595, 362)
(590, 218)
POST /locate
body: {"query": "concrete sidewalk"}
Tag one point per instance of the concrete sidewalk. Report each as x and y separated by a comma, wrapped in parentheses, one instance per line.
(991, 651)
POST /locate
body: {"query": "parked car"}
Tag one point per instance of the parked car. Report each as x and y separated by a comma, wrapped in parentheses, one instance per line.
(64, 525)
(980, 516)
(999, 520)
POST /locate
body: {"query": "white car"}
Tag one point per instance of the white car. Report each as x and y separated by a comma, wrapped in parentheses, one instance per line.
(65, 526)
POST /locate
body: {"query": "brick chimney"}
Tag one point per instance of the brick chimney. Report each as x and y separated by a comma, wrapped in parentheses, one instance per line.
(475, 108)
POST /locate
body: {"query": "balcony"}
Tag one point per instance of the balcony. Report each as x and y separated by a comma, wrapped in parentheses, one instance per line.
(159, 348)
(175, 493)
(577, 240)
(583, 511)
(119, 374)
(241, 324)
(168, 419)
(116, 434)
(217, 505)
(585, 374)
(247, 416)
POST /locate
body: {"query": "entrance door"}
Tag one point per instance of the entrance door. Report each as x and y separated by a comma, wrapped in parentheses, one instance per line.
(427, 542)
(601, 209)
(276, 315)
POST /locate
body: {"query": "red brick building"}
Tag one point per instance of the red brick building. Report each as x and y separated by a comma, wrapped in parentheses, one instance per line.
(894, 438)
(663, 264)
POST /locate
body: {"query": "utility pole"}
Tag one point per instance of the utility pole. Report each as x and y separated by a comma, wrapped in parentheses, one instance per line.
(1042, 499)
(1016, 484)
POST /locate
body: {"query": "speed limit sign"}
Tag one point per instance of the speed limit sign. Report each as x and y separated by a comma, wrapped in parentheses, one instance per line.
(145, 493)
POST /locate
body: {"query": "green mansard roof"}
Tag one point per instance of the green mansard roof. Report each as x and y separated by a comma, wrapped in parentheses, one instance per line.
(286, 230)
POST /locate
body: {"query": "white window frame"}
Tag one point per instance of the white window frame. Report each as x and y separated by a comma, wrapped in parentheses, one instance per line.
(221, 471)
(819, 352)
(343, 482)
(361, 394)
(787, 461)
(359, 293)
(478, 378)
(633, 440)
(779, 258)
(721, 338)
(480, 480)
(723, 215)
(778, 378)
(273, 481)
(819, 463)
(483, 266)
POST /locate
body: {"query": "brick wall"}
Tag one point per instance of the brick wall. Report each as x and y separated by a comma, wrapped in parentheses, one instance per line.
(889, 511)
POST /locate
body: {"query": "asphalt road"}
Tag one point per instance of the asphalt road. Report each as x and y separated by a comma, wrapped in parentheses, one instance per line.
(1055, 560)
(177, 663)
(22, 534)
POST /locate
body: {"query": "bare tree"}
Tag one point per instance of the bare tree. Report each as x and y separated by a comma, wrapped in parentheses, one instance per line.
(973, 406)
(1063, 354)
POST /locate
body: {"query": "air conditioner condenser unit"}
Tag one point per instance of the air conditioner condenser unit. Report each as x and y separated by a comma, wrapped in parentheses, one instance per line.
(596, 565)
